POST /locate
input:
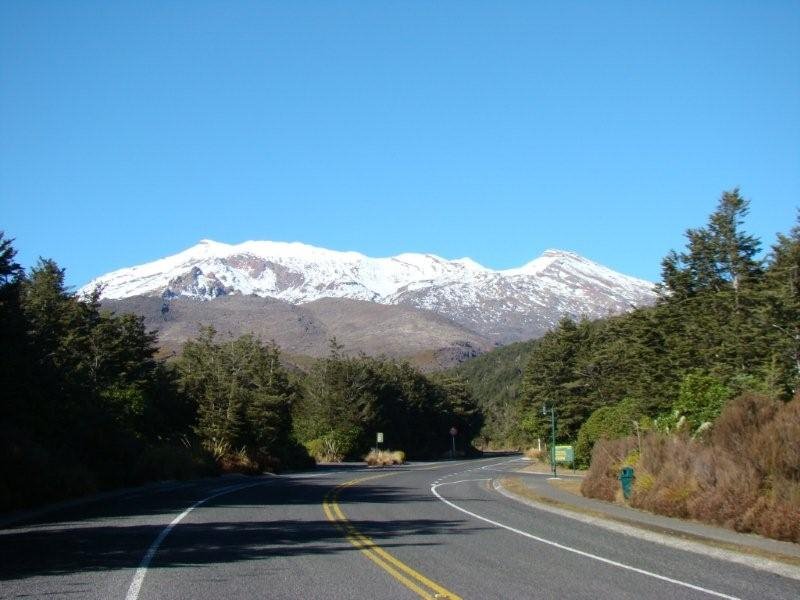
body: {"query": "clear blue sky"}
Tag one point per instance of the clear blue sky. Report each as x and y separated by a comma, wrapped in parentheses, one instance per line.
(495, 130)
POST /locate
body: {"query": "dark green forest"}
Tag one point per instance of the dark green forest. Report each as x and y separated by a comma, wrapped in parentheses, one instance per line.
(87, 405)
(727, 321)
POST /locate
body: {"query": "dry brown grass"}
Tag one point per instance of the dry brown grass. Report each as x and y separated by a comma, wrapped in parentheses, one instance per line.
(745, 475)
(385, 458)
(607, 456)
(535, 454)
(238, 462)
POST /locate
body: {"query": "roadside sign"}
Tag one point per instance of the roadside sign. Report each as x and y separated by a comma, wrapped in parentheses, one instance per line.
(380, 437)
(453, 431)
(565, 454)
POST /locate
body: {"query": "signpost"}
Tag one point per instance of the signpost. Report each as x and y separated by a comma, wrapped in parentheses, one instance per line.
(453, 434)
(379, 439)
(553, 439)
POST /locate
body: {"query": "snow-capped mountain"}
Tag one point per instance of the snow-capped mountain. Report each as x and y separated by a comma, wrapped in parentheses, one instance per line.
(502, 305)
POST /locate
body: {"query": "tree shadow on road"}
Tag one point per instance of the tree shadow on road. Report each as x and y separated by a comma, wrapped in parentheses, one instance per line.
(258, 523)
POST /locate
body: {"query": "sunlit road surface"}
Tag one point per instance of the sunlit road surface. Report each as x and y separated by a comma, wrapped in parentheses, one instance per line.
(431, 530)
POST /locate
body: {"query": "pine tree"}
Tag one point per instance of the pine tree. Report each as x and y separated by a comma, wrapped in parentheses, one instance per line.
(243, 396)
(551, 380)
(15, 359)
(781, 308)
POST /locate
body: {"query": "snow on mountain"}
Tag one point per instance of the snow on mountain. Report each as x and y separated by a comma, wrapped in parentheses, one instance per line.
(506, 305)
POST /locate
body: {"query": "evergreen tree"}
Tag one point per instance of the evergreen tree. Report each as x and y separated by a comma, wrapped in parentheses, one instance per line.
(243, 397)
(551, 379)
(14, 352)
(781, 308)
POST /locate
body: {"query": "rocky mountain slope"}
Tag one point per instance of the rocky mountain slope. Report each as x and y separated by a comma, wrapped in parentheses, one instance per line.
(491, 306)
(425, 338)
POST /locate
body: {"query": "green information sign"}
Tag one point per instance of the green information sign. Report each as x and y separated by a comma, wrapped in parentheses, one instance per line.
(565, 454)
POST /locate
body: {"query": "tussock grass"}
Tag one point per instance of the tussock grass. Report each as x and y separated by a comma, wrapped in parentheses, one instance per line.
(535, 454)
(384, 458)
(745, 474)
(324, 450)
(239, 462)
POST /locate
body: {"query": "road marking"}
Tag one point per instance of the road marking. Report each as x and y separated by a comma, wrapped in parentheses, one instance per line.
(141, 571)
(464, 481)
(403, 573)
(579, 552)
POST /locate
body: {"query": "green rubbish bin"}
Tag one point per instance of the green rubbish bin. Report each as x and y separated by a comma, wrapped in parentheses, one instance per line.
(626, 477)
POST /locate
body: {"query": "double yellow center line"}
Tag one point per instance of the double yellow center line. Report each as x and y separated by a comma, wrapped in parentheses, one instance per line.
(410, 578)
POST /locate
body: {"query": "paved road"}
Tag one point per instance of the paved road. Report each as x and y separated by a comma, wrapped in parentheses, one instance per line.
(431, 530)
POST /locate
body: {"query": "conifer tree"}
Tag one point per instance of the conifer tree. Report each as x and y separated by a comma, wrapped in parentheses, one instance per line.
(15, 376)
(242, 393)
(781, 308)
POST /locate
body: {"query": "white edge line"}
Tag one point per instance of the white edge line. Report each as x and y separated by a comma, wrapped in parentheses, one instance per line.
(463, 481)
(141, 571)
(580, 552)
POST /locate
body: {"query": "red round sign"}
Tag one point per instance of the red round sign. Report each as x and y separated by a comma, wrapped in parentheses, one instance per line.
(453, 431)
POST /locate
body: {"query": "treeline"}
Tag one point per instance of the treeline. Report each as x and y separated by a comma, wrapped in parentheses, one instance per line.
(725, 322)
(87, 406)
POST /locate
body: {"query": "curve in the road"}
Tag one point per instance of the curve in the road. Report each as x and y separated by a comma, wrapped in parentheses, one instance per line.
(438, 483)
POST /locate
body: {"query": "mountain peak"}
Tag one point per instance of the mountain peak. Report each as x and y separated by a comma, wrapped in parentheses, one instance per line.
(470, 264)
(555, 252)
(542, 262)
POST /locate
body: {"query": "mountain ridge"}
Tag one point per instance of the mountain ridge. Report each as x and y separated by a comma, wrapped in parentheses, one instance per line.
(499, 305)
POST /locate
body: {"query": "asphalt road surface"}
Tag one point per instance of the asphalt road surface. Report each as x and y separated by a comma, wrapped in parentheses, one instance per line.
(435, 530)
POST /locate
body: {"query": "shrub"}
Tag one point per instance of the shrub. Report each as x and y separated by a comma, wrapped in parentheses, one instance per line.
(290, 455)
(535, 454)
(609, 422)
(239, 462)
(700, 398)
(607, 456)
(383, 458)
(334, 446)
(668, 459)
(744, 475)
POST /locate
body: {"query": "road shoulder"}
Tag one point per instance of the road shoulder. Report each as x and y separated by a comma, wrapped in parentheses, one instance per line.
(781, 558)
